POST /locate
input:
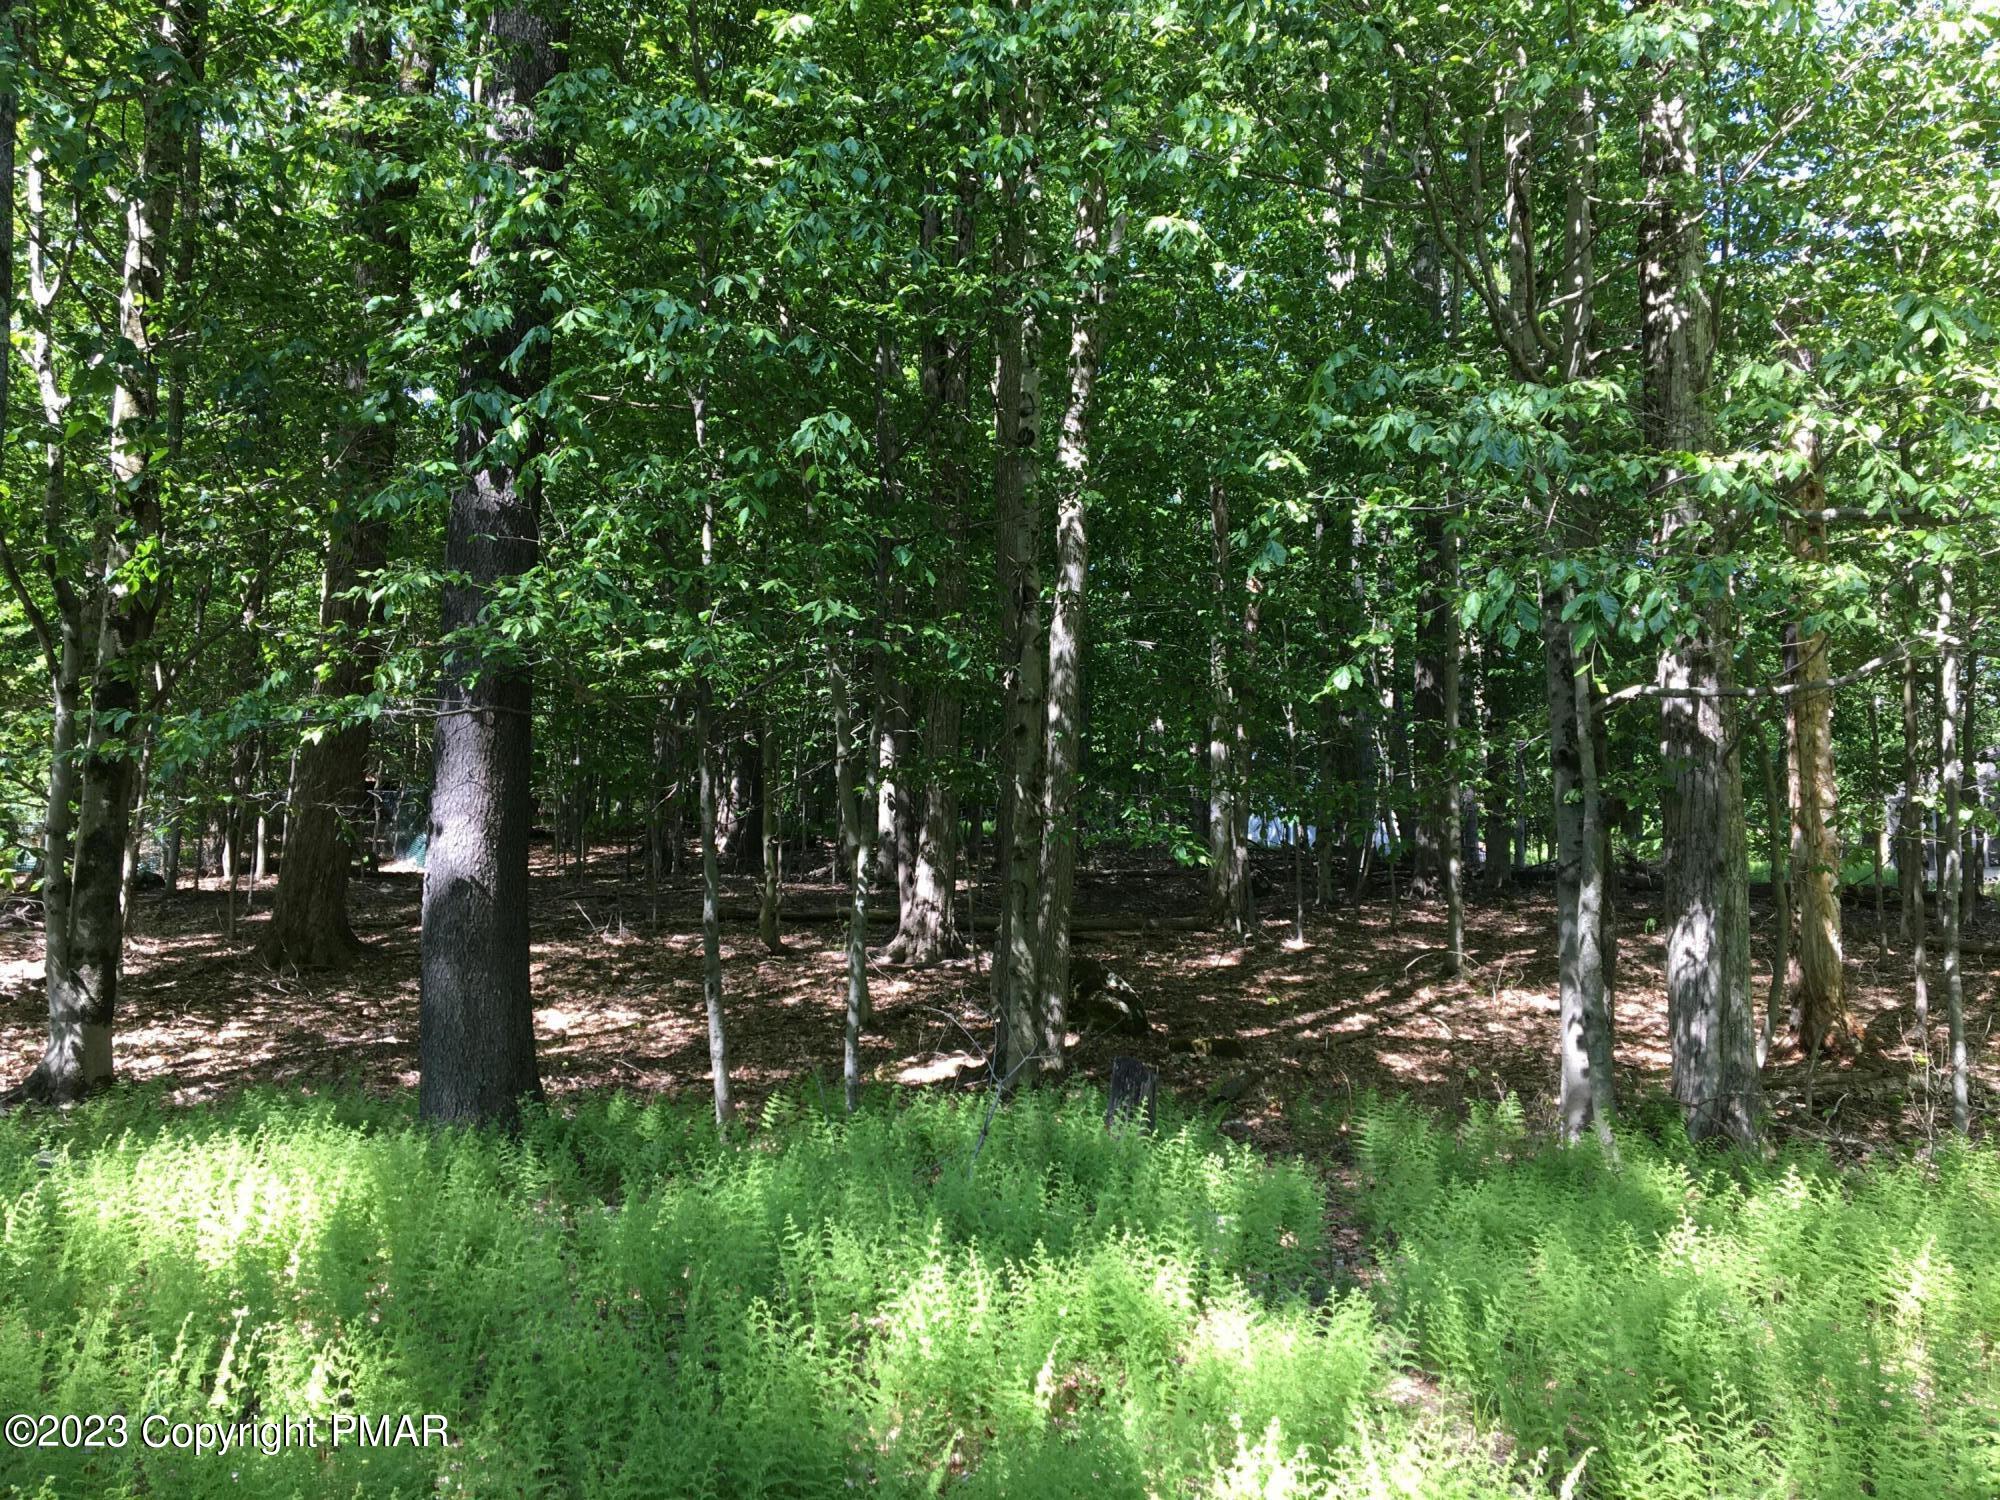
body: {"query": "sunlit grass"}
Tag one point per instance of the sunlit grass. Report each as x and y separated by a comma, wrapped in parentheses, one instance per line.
(616, 1303)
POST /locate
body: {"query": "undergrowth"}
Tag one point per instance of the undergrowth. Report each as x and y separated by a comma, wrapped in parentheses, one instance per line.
(616, 1303)
(1696, 1323)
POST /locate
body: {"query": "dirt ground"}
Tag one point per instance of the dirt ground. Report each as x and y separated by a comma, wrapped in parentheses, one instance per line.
(1363, 1003)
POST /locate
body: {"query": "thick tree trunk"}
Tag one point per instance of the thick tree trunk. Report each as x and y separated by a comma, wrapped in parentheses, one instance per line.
(309, 924)
(476, 1037)
(78, 1057)
(928, 931)
(1710, 1019)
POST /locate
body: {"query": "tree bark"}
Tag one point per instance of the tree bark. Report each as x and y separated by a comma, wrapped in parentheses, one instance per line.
(60, 638)
(1782, 835)
(1585, 1098)
(1819, 999)
(1974, 863)
(711, 878)
(928, 931)
(1909, 816)
(1063, 746)
(1585, 947)
(476, 1038)
(1878, 823)
(1433, 705)
(1497, 816)
(1438, 870)
(83, 992)
(1951, 775)
(1710, 1018)
(1913, 914)
(1228, 851)
(858, 829)
(1017, 418)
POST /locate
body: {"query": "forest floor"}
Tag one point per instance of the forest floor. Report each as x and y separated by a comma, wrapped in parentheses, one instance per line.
(1363, 1004)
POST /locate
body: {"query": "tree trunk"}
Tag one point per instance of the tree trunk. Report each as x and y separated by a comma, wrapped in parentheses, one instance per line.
(1585, 1099)
(1878, 823)
(1782, 835)
(309, 925)
(476, 1036)
(711, 876)
(1914, 916)
(1585, 949)
(1439, 861)
(1433, 703)
(1017, 420)
(78, 1056)
(928, 931)
(1497, 817)
(1820, 997)
(663, 786)
(1951, 774)
(1909, 817)
(83, 994)
(1974, 864)
(1062, 749)
(773, 839)
(1710, 1018)
(858, 828)
(1228, 852)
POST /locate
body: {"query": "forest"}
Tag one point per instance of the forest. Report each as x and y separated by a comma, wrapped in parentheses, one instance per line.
(1020, 748)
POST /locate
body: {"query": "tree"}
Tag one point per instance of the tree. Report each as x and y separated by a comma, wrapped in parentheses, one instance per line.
(309, 922)
(93, 775)
(477, 1041)
(1701, 811)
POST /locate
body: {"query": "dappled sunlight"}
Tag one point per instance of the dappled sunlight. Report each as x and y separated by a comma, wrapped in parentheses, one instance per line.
(1365, 1004)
